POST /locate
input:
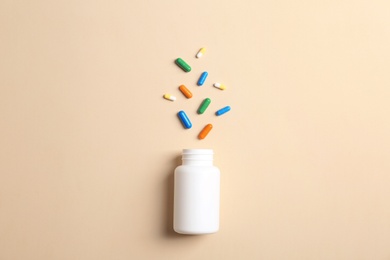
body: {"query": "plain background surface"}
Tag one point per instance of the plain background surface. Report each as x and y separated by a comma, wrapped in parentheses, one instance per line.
(88, 145)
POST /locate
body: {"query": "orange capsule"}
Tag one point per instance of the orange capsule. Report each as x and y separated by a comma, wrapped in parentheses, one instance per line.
(205, 131)
(185, 91)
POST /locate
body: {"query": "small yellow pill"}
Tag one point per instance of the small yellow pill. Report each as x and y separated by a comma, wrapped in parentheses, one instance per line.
(220, 86)
(200, 52)
(169, 97)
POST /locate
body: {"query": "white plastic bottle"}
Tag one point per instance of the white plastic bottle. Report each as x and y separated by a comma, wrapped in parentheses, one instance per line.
(196, 195)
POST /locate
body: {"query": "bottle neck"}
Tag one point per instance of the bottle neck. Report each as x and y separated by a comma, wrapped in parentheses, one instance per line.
(197, 162)
(199, 157)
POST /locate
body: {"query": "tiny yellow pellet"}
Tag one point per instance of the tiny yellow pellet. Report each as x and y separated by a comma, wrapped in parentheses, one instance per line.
(169, 97)
(220, 86)
(200, 53)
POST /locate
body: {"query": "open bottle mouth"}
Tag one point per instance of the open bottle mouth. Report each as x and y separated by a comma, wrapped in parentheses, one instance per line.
(198, 151)
(197, 154)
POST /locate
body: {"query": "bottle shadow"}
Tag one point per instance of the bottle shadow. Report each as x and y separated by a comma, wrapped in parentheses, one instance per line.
(168, 199)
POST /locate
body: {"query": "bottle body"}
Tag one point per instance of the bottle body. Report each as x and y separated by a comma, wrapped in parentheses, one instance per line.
(196, 194)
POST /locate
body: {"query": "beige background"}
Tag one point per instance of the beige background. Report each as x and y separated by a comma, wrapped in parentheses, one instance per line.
(88, 145)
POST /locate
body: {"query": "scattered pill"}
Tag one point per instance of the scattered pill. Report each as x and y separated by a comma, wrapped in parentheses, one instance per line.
(185, 91)
(200, 52)
(202, 78)
(183, 65)
(205, 131)
(169, 97)
(223, 111)
(206, 102)
(220, 86)
(184, 119)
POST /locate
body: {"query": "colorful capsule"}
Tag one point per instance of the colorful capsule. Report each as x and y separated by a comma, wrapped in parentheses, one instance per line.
(169, 97)
(185, 91)
(200, 52)
(183, 65)
(202, 78)
(220, 86)
(184, 119)
(205, 131)
(223, 111)
(206, 102)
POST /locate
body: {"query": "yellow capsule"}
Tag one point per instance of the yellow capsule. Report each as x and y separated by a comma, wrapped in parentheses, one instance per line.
(169, 97)
(220, 86)
(200, 52)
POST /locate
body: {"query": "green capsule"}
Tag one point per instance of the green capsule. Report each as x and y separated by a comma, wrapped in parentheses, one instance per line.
(204, 105)
(183, 65)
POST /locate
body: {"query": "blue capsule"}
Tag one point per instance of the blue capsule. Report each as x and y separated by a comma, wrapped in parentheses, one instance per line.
(223, 111)
(202, 78)
(184, 119)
